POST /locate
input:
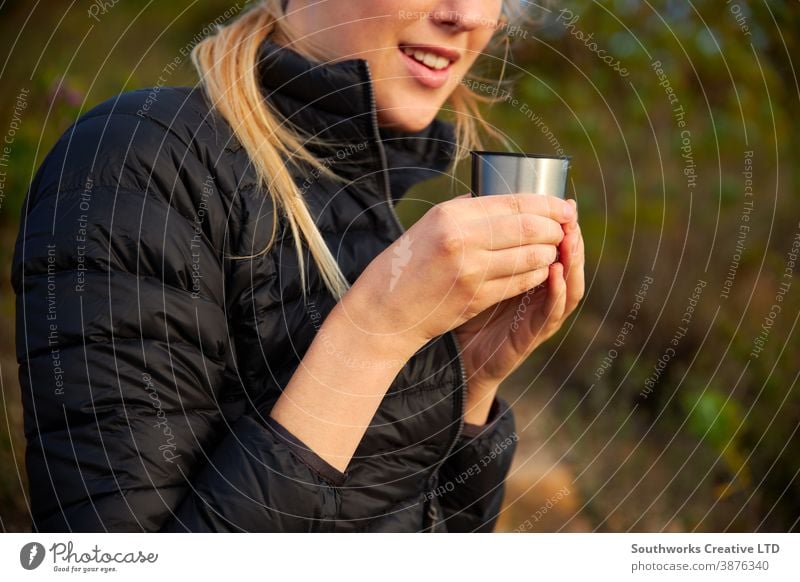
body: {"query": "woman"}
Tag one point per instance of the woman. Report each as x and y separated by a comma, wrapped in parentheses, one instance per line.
(222, 326)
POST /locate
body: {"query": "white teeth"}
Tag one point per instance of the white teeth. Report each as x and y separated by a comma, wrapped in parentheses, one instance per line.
(428, 59)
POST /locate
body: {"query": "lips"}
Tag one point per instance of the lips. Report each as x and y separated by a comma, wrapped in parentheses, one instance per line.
(427, 58)
(430, 65)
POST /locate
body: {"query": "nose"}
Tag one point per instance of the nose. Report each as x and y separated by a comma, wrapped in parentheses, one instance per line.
(463, 15)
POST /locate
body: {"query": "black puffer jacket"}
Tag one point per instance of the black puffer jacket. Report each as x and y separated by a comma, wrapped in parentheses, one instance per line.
(149, 359)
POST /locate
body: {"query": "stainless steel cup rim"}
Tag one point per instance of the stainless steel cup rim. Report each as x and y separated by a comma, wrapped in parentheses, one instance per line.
(485, 153)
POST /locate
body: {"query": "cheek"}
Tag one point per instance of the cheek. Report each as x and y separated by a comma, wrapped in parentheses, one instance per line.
(480, 39)
(477, 47)
(372, 42)
(357, 29)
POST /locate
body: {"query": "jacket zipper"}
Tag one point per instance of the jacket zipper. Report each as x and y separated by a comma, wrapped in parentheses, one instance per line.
(460, 394)
(384, 162)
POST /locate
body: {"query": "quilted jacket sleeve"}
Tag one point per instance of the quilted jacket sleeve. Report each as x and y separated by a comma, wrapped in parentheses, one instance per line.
(124, 355)
(471, 482)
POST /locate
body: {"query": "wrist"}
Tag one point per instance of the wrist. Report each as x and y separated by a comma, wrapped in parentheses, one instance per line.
(479, 403)
(371, 320)
(345, 334)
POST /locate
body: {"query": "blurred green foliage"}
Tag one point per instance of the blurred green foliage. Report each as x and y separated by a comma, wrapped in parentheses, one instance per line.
(719, 426)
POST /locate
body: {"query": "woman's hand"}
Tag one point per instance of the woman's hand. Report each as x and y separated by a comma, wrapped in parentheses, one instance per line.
(461, 258)
(498, 340)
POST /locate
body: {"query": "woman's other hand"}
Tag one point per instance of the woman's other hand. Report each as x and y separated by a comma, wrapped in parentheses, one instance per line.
(498, 340)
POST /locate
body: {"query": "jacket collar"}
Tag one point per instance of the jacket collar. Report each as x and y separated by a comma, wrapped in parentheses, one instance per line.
(334, 102)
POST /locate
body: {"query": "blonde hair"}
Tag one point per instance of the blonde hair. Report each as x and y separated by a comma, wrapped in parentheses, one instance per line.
(227, 64)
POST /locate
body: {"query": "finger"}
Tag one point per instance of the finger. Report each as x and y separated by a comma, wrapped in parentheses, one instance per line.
(567, 228)
(497, 290)
(574, 204)
(572, 234)
(505, 231)
(555, 303)
(572, 255)
(567, 250)
(516, 260)
(571, 224)
(509, 204)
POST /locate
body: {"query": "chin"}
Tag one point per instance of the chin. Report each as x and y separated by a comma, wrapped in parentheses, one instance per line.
(407, 119)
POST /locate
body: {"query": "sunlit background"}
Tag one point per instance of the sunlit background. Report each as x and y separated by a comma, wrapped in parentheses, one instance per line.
(682, 122)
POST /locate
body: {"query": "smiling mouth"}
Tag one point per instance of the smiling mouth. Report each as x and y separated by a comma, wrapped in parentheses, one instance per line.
(435, 58)
(429, 65)
(430, 60)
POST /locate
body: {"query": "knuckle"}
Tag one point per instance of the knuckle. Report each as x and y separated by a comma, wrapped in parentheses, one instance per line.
(447, 238)
(547, 255)
(528, 227)
(526, 281)
(533, 258)
(468, 280)
(558, 233)
(450, 243)
(515, 204)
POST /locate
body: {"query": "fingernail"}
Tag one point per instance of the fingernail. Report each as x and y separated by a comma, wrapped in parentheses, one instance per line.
(569, 211)
(574, 206)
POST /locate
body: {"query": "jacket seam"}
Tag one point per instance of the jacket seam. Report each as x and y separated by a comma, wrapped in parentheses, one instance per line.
(163, 283)
(147, 117)
(38, 353)
(149, 195)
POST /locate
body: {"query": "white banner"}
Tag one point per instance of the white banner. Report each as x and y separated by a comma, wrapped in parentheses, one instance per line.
(389, 557)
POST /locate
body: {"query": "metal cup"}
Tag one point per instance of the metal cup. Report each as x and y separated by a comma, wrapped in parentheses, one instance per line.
(511, 173)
